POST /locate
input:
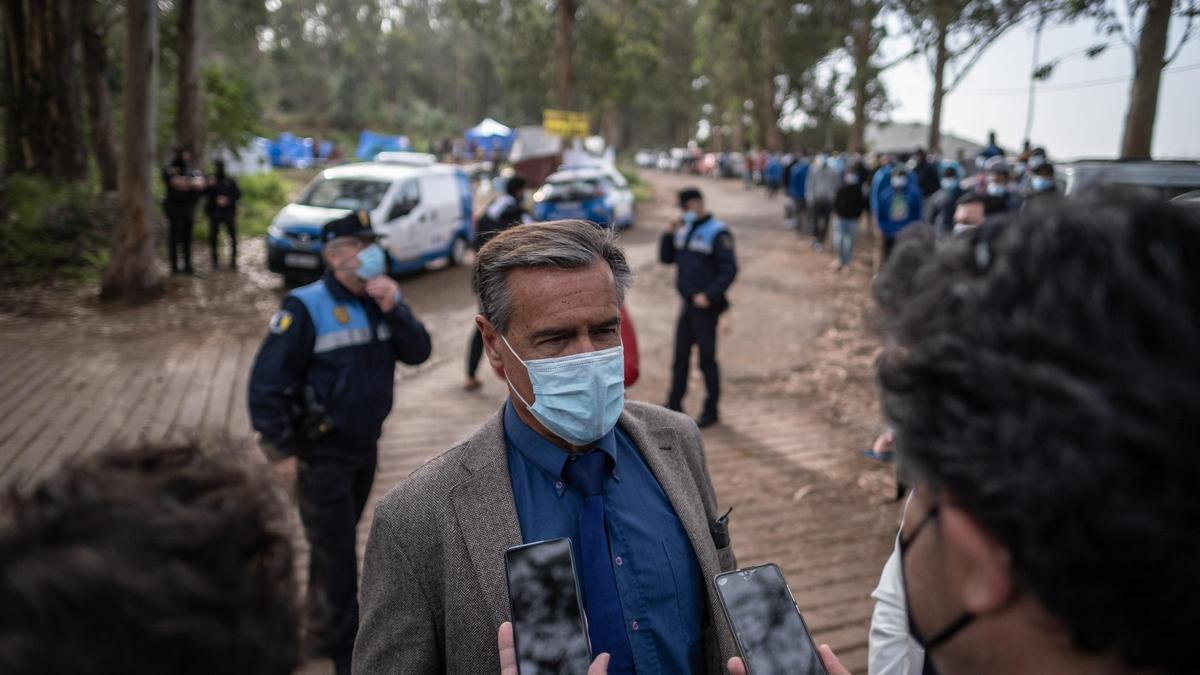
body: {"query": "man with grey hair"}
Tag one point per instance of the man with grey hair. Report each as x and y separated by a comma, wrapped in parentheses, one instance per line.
(566, 456)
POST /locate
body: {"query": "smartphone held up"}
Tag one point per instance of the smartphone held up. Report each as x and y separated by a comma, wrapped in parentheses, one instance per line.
(549, 625)
(769, 630)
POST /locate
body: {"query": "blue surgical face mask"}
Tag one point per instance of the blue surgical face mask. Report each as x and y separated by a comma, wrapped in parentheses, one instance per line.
(997, 189)
(899, 183)
(949, 184)
(371, 262)
(689, 217)
(1041, 183)
(579, 398)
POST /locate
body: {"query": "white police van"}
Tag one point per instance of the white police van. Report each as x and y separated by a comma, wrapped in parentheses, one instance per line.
(420, 209)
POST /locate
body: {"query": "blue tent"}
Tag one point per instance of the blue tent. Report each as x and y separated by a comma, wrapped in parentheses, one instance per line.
(371, 144)
(291, 151)
(489, 136)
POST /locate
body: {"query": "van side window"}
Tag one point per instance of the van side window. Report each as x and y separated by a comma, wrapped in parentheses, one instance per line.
(406, 199)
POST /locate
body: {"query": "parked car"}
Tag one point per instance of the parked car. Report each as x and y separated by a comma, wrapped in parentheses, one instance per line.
(421, 211)
(1164, 179)
(645, 159)
(598, 194)
(1189, 200)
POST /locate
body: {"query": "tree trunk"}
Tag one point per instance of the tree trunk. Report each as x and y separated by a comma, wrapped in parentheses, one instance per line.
(565, 46)
(767, 110)
(189, 113)
(132, 273)
(1143, 95)
(939, 90)
(45, 131)
(93, 35)
(862, 75)
(610, 126)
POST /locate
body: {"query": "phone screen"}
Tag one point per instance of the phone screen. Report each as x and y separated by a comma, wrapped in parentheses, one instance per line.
(548, 621)
(766, 624)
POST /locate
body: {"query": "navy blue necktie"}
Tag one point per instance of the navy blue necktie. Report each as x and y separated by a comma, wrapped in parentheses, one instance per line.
(606, 622)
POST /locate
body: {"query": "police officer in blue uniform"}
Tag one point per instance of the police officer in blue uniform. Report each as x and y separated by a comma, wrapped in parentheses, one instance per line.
(701, 247)
(319, 393)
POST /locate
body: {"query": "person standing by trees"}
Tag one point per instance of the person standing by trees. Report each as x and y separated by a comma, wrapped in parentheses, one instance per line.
(184, 187)
(222, 197)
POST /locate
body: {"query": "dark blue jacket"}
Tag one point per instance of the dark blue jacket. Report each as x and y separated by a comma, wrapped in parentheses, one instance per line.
(345, 348)
(705, 258)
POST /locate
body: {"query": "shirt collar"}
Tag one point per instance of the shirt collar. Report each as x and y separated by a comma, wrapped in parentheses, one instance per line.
(336, 289)
(544, 454)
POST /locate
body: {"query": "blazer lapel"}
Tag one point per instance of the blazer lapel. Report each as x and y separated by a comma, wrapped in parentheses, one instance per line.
(660, 450)
(487, 513)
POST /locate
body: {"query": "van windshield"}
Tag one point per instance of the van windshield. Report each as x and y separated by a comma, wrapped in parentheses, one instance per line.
(571, 190)
(345, 193)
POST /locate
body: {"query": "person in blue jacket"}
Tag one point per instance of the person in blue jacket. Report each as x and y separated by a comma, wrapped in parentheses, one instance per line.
(883, 174)
(701, 248)
(774, 174)
(899, 206)
(797, 180)
(320, 390)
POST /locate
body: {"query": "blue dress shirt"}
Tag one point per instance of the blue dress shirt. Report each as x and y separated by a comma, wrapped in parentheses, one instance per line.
(658, 579)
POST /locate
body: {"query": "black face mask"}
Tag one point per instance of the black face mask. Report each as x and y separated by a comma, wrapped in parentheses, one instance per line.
(941, 637)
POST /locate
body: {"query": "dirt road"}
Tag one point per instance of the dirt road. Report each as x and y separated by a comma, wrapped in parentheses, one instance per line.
(795, 351)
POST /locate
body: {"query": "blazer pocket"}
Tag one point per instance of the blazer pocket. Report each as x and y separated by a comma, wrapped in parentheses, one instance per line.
(726, 559)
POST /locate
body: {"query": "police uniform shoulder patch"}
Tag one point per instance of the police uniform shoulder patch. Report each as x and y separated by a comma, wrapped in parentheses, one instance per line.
(281, 322)
(341, 314)
(725, 241)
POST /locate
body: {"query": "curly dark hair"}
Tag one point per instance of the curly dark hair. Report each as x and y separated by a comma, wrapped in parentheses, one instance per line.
(1044, 375)
(150, 560)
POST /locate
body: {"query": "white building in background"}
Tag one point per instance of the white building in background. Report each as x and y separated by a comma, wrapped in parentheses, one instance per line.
(896, 137)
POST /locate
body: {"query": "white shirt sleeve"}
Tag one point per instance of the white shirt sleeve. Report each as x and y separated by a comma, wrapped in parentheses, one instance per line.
(891, 650)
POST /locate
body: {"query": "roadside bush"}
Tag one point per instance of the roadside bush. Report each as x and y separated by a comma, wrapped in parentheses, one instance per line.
(53, 231)
(263, 195)
(641, 189)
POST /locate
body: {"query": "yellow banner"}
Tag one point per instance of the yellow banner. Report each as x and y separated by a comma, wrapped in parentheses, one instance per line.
(566, 123)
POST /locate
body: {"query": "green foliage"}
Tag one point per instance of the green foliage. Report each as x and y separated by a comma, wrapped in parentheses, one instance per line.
(55, 230)
(263, 195)
(234, 116)
(642, 191)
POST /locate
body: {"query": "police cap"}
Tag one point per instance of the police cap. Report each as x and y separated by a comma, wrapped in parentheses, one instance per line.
(354, 224)
(688, 194)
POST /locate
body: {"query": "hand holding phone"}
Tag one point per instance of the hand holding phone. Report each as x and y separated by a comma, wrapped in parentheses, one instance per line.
(769, 630)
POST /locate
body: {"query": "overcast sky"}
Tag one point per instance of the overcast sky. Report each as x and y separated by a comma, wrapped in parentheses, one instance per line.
(1072, 118)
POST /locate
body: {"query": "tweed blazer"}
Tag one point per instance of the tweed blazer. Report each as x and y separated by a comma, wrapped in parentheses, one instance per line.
(434, 591)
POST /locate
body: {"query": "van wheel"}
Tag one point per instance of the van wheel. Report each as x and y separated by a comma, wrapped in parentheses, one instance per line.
(458, 251)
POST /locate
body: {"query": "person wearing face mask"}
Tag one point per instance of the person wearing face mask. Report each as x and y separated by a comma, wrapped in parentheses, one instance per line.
(969, 213)
(320, 389)
(1000, 190)
(821, 187)
(566, 456)
(899, 205)
(1042, 188)
(848, 206)
(1052, 529)
(701, 248)
(220, 205)
(940, 213)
